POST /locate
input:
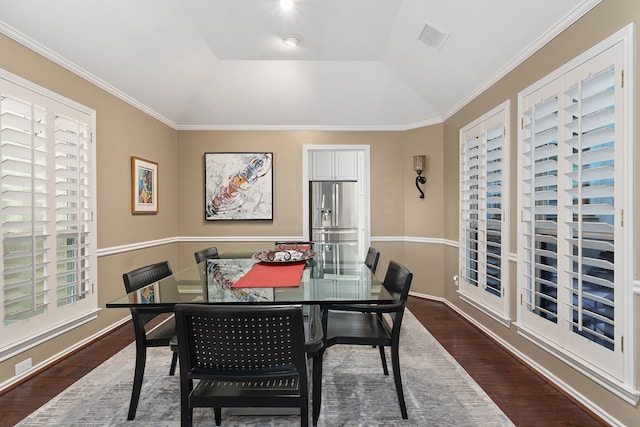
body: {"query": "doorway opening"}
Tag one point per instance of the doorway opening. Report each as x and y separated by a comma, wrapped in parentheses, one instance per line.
(339, 163)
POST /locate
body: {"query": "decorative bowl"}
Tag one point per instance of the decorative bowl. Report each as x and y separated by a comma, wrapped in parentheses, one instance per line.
(284, 256)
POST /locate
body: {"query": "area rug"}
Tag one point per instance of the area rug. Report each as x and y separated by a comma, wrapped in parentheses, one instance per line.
(438, 392)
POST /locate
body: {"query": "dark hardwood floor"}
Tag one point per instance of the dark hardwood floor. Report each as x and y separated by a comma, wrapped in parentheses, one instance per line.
(526, 398)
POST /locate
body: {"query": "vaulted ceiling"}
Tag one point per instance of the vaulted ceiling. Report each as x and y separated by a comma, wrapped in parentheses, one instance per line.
(221, 64)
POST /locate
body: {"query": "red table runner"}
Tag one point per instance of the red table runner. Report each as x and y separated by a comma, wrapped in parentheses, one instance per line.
(272, 276)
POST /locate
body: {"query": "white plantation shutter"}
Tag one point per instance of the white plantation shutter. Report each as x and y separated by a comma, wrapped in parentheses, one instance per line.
(48, 253)
(540, 209)
(483, 178)
(470, 206)
(73, 210)
(572, 150)
(590, 135)
(24, 194)
(493, 215)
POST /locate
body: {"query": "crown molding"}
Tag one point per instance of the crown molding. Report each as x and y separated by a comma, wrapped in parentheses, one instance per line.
(571, 17)
(80, 72)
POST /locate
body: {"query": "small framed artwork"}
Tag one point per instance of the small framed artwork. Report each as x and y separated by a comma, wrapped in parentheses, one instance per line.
(147, 295)
(144, 186)
(238, 186)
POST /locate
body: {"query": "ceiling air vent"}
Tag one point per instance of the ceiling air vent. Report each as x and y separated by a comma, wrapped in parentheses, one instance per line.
(433, 36)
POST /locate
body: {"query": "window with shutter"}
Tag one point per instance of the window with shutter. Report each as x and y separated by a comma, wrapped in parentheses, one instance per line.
(483, 233)
(575, 153)
(48, 187)
(540, 217)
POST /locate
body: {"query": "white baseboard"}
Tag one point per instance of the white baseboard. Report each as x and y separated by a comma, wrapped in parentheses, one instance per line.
(59, 356)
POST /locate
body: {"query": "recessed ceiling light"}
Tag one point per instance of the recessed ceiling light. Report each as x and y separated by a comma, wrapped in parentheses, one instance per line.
(286, 4)
(292, 40)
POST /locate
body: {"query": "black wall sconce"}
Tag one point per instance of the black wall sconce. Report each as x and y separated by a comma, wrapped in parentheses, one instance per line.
(419, 163)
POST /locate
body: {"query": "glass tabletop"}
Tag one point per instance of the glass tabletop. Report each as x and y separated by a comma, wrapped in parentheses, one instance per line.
(334, 275)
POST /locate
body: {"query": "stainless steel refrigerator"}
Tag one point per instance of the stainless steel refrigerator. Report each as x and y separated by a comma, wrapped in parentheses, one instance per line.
(334, 212)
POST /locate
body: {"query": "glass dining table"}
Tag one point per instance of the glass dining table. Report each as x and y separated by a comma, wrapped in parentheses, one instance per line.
(335, 275)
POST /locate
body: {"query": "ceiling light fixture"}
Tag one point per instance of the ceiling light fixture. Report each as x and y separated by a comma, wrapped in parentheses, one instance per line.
(286, 4)
(292, 40)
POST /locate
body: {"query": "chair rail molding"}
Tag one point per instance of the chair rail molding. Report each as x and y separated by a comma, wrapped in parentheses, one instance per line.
(113, 250)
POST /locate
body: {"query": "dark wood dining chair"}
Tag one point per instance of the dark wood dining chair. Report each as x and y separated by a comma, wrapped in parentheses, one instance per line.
(159, 336)
(372, 258)
(207, 253)
(361, 324)
(242, 356)
(314, 347)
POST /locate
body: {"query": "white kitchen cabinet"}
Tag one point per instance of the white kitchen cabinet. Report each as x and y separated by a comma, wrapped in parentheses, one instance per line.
(334, 166)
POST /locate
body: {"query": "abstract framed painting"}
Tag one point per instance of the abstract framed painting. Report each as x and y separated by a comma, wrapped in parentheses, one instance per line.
(144, 186)
(238, 186)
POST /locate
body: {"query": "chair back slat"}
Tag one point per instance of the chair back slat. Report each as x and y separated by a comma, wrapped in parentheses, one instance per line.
(372, 258)
(143, 276)
(257, 342)
(398, 281)
(207, 253)
(139, 278)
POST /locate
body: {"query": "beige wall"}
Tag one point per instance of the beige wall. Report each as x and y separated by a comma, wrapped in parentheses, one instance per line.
(387, 179)
(604, 20)
(396, 209)
(420, 233)
(424, 217)
(122, 131)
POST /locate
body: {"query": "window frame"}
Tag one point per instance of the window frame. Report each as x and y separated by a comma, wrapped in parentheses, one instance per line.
(620, 380)
(61, 316)
(497, 307)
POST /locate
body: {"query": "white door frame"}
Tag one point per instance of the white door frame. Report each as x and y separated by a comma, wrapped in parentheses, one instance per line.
(363, 176)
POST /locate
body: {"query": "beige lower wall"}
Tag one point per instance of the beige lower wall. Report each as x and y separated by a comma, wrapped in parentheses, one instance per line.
(425, 262)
